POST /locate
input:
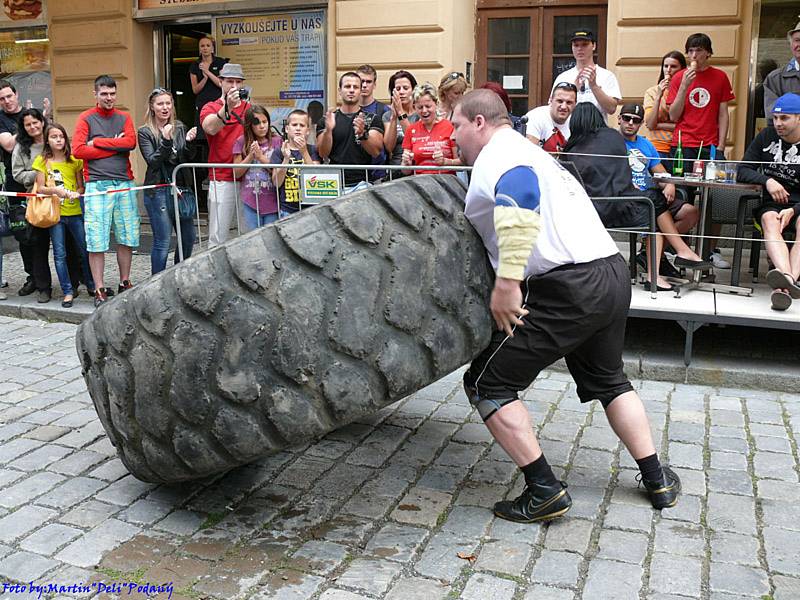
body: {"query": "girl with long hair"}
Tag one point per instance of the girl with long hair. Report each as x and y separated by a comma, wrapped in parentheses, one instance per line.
(397, 120)
(164, 144)
(34, 242)
(61, 174)
(656, 113)
(256, 189)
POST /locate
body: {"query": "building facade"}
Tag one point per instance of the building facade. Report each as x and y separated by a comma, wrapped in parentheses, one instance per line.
(523, 44)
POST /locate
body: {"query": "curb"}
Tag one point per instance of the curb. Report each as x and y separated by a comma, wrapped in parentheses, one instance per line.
(666, 364)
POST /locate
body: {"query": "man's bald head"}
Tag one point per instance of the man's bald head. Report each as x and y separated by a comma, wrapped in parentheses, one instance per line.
(487, 103)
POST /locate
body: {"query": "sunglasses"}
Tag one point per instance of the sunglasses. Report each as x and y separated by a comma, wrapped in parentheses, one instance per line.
(630, 119)
(565, 85)
(157, 92)
(454, 75)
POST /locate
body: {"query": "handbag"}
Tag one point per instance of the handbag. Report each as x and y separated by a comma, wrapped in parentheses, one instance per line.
(187, 204)
(43, 211)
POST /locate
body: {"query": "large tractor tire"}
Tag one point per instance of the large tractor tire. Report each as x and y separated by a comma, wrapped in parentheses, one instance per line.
(290, 331)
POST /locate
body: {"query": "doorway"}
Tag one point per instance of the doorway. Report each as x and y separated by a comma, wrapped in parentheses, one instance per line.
(525, 49)
(180, 51)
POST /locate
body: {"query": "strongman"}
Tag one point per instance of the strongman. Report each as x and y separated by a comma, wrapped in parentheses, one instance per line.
(562, 290)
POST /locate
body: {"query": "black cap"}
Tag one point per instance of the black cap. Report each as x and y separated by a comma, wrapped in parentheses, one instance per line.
(583, 34)
(632, 109)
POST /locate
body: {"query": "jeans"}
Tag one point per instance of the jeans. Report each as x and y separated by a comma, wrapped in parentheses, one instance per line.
(58, 233)
(253, 220)
(162, 224)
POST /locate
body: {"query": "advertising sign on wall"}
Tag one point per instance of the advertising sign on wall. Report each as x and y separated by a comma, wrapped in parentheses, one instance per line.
(283, 58)
(21, 13)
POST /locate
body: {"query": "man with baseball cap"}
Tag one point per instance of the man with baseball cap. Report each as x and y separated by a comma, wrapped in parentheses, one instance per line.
(777, 149)
(786, 79)
(595, 84)
(680, 215)
(223, 122)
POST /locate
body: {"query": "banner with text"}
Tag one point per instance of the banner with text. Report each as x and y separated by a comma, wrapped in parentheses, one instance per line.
(283, 58)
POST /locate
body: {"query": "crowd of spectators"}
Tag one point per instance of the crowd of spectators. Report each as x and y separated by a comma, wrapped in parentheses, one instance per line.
(686, 110)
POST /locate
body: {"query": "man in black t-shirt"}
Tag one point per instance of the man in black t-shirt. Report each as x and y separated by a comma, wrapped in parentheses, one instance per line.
(778, 150)
(348, 135)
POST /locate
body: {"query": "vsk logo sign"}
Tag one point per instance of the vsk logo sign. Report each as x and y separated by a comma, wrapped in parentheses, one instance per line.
(699, 97)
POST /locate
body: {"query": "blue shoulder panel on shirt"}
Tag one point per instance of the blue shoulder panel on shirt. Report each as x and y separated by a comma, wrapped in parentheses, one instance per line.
(518, 187)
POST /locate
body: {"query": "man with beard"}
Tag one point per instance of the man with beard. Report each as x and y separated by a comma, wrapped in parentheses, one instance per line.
(777, 149)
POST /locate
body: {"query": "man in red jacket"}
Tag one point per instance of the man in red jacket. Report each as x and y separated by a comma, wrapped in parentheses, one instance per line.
(104, 138)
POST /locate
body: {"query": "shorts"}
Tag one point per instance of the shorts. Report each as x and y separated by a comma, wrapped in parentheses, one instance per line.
(576, 311)
(120, 208)
(770, 206)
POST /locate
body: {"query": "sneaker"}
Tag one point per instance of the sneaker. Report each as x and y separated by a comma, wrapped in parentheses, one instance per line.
(663, 493)
(717, 261)
(43, 296)
(124, 285)
(536, 503)
(27, 289)
(100, 297)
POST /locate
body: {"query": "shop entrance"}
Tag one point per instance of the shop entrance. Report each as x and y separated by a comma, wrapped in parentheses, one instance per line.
(180, 51)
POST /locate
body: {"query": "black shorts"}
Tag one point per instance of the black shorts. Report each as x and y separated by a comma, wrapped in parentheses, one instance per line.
(770, 206)
(576, 311)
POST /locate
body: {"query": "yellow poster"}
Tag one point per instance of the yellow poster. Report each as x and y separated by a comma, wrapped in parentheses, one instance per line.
(147, 4)
(282, 55)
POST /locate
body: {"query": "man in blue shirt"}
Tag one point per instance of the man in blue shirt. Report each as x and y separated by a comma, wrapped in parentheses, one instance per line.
(644, 162)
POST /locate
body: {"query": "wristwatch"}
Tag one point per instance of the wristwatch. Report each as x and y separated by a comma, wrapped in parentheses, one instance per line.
(403, 116)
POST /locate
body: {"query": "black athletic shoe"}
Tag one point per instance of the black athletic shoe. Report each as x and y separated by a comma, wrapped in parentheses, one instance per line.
(663, 493)
(124, 285)
(536, 503)
(100, 297)
(27, 289)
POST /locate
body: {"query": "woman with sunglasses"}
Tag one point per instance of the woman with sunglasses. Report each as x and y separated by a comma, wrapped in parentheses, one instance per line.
(163, 142)
(451, 88)
(656, 113)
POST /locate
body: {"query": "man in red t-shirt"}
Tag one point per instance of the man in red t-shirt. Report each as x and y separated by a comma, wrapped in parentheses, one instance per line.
(698, 105)
(223, 120)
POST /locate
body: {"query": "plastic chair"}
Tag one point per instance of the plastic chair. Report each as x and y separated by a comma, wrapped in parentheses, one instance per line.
(731, 207)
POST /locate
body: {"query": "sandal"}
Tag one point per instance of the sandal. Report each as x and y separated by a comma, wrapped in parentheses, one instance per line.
(779, 280)
(780, 300)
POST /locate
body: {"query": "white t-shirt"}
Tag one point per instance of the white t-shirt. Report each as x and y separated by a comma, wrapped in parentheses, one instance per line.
(605, 79)
(541, 124)
(571, 231)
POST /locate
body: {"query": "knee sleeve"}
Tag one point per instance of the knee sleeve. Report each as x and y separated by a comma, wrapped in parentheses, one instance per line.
(486, 406)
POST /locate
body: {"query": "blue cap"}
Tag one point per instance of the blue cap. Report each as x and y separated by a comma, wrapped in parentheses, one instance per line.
(788, 104)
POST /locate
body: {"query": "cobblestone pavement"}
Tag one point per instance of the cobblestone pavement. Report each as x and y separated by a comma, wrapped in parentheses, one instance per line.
(398, 506)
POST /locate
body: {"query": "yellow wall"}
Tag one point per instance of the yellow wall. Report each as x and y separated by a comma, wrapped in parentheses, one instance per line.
(427, 37)
(639, 34)
(93, 37)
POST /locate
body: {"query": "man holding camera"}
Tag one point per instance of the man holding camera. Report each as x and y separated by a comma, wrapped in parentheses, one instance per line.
(223, 122)
(348, 135)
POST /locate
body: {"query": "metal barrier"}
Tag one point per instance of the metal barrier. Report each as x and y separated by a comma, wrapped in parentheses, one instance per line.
(212, 167)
